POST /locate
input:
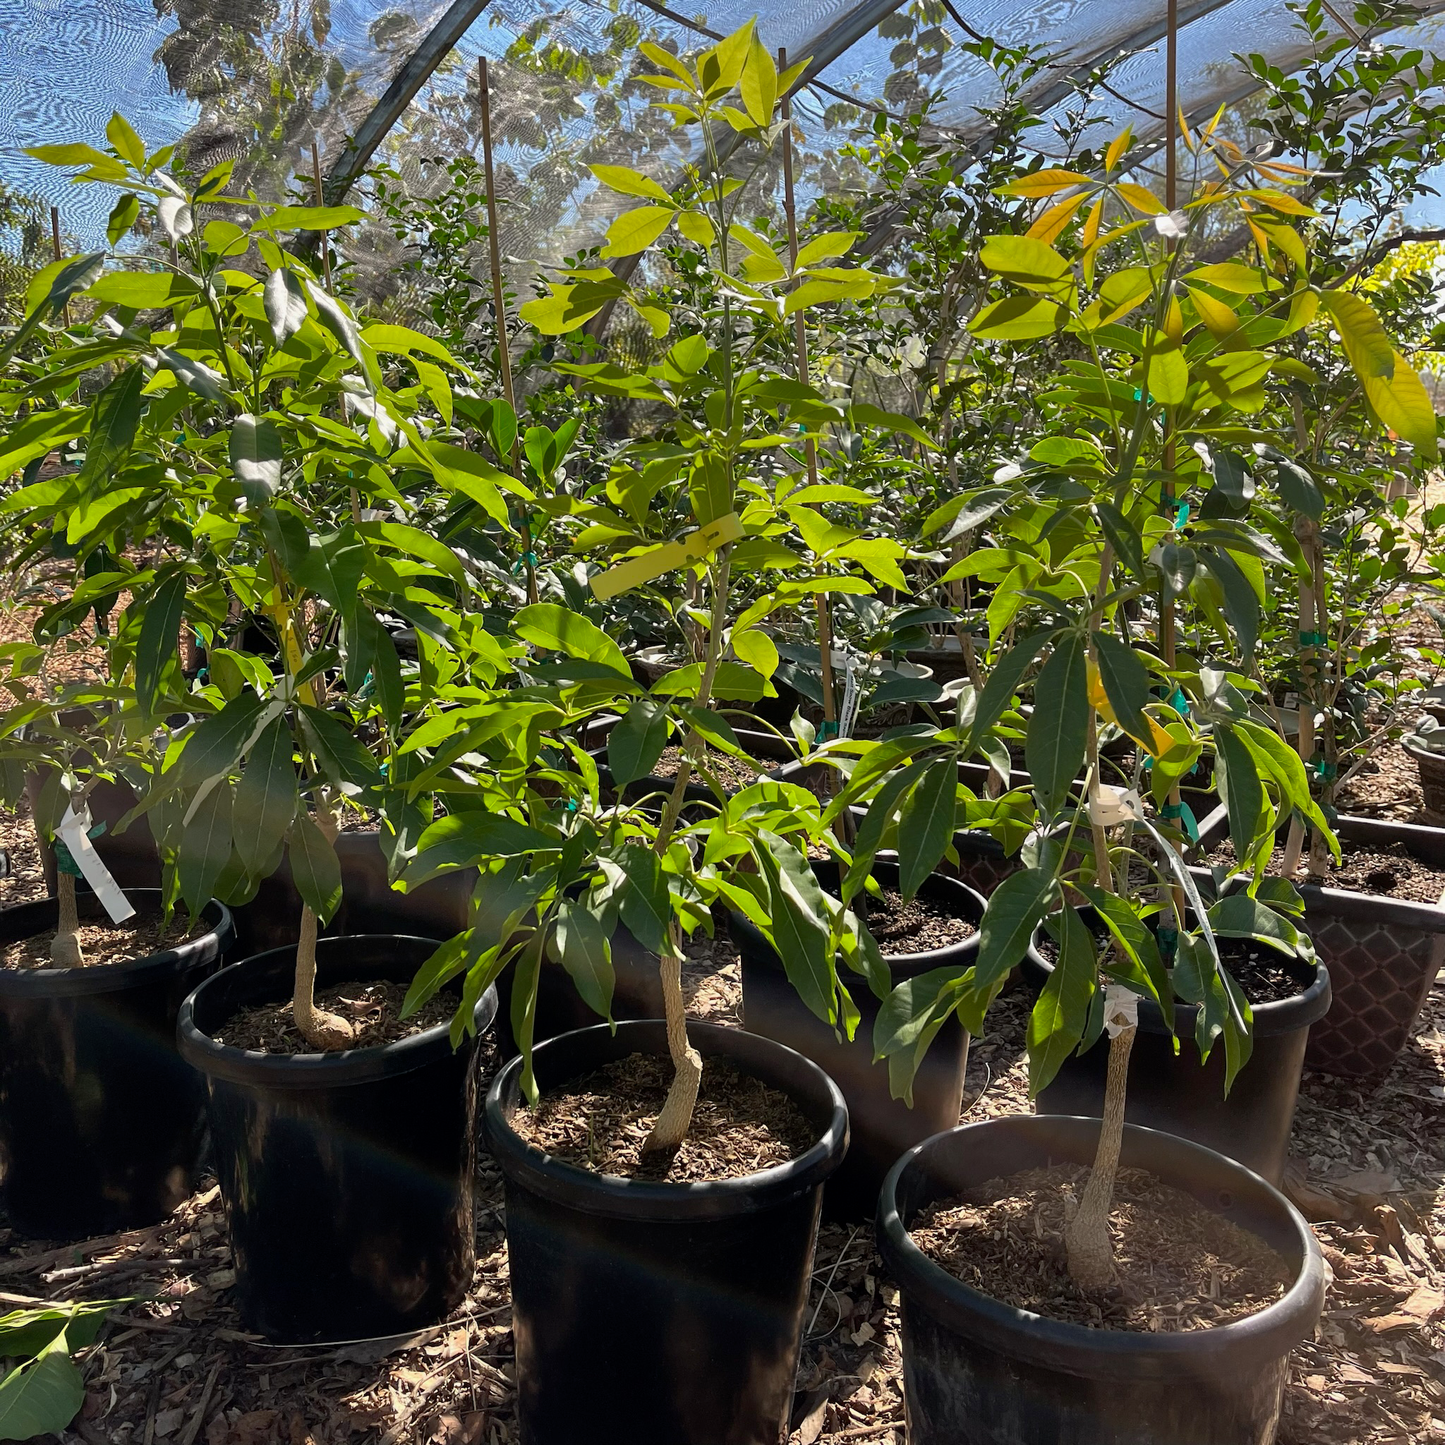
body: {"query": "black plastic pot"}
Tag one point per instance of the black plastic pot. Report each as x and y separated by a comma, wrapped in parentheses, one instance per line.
(348, 1176)
(881, 1126)
(102, 1124)
(1382, 953)
(654, 1313)
(1172, 1092)
(978, 1372)
(1432, 779)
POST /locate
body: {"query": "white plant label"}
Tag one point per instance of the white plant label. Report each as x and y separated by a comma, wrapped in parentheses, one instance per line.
(848, 713)
(75, 832)
(1121, 1009)
(1111, 805)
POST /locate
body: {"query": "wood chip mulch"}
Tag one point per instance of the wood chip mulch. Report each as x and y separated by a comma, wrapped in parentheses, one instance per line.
(1367, 1167)
(373, 1010)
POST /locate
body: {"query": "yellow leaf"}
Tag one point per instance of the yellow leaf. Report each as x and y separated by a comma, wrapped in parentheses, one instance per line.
(1215, 314)
(1184, 132)
(1402, 404)
(1095, 216)
(1278, 201)
(695, 227)
(1050, 225)
(1140, 198)
(1261, 238)
(1174, 321)
(636, 230)
(1209, 129)
(1045, 183)
(1284, 236)
(1165, 372)
(1117, 147)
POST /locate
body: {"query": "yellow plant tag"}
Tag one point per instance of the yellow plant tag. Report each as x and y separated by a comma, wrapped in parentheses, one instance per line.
(667, 558)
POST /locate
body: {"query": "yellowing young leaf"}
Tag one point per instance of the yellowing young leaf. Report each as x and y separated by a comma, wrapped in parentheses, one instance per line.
(1019, 318)
(695, 227)
(758, 650)
(1045, 183)
(1402, 404)
(758, 85)
(1303, 308)
(815, 292)
(658, 56)
(627, 182)
(1050, 225)
(1366, 345)
(1123, 291)
(636, 230)
(1232, 276)
(1235, 377)
(827, 246)
(1166, 374)
(1140, 198)
(1218, 317)
(1174, 321)
(1283, 235)
(1024, 261)
(560, 312)
(1117, 147)
(1279, 201)
(1092, 222)
(721, 68)
(128, 144)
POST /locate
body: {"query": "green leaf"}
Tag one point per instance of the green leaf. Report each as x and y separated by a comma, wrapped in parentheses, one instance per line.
(128, 145)
(628, 182)
(758, 650)
(338, 321)
(314, 867)
(309, 218)
(1298, 489)
(863, 414)
(925, 826)
(345, 761)
(1176, 564)
(123, 215)
(1165, 372)
(213, 748)
(464, 840)
(646, 907)
(800, 933)
(115, 417)
(265, 800)
(285, 303)
(636, 230)
(550, 625)
(586, 955)
(65, 278)
(1014, 911)
(1240, 916)
(256, 452)
(1140, 965)
(1058, 729)
(40, 1399)
(636, 741)
(1060, 1016)
(1019, 318)
(205, 847)
(159, 633)
(1237, 777)
(1002, 683)
(1126, 682)
(143, 290)
(758, 84)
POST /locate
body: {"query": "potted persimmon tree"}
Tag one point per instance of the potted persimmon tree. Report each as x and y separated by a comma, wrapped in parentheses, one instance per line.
(1034, 1253)
(272, 449)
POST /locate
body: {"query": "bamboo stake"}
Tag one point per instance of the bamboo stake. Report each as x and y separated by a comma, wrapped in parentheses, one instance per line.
(499, 308)
(55, 247)
(825, 630)
(326, 277)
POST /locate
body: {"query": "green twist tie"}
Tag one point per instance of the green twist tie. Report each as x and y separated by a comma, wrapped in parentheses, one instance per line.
(1311, 639)
(1181, 516)
(827, 730)
(1185, 814)
(1179, 702)
(1168, 939)
(528, 558)
(1325, 771)
(65, 859)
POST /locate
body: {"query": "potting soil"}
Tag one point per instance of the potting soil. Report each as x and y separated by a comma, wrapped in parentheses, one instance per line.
(1180, 1267)
(106, 942)
(600, 1122)
(374, 1009)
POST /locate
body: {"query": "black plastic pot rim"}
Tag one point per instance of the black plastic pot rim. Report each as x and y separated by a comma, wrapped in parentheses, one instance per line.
(657, 1201)
(1380, 907)
(911, 963)
(98, 978)
(1279, 1016)
(256, 1068)
(1079, 1349)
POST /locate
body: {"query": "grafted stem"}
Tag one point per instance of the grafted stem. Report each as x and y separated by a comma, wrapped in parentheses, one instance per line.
(672, 1123)
(1086, 1236)
(65, 946)
(319, 1028)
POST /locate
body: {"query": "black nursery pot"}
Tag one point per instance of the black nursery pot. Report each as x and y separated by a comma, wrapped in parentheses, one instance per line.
(1174, 1093)
(979, 1372)
(347, 1176)
(654, 1313)
(101, 1123)
(882, 1127)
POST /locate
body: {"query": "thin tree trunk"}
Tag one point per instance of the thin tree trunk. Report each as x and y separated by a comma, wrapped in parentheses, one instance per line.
(1089, 1249)
(65, 947)
(319, 1028)
(672, 1123)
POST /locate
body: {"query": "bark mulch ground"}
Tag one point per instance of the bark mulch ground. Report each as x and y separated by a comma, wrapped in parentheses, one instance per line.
(1368, 1167)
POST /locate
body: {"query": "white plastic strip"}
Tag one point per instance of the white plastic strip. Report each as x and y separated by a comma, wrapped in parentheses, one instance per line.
(75, 832)
(1111, 805)
(1121, 1009)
